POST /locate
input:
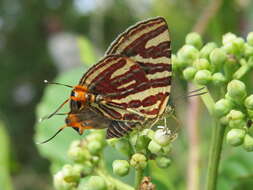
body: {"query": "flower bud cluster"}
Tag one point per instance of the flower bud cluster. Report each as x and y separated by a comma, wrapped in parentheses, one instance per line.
(235, 111)
(85, 155)
(205, 64)
(141, 147)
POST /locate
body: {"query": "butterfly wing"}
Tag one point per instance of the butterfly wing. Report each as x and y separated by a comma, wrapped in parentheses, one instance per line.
(135, 76)
(148, 44)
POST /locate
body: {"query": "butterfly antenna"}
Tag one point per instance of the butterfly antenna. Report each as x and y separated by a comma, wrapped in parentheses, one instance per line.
(55, 112)
(199, 94)
(47, 82)
(197, 90)
(46, 117)
(57, 132)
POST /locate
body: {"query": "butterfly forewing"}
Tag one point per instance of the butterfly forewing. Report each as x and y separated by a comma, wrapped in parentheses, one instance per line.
(135, 76)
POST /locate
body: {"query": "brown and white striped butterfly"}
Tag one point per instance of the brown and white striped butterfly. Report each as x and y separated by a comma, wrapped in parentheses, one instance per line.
(130, 86)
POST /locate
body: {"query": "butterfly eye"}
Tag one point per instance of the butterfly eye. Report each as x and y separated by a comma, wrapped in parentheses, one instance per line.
(79, 105)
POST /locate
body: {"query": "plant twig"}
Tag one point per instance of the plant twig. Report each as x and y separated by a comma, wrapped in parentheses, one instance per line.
(208, 13)
(138, 178)
(214, 157)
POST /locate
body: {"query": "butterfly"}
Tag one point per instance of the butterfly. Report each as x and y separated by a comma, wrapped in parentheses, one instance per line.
(129, 87)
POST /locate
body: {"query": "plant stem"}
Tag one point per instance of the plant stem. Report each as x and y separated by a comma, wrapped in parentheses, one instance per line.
(214, 156)
(138, 178)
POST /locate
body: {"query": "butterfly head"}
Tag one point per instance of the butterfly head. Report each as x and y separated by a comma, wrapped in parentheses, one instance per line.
(79, 97)
(72, 120)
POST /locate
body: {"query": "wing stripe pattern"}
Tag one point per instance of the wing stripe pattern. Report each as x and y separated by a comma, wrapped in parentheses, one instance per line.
(135, 75)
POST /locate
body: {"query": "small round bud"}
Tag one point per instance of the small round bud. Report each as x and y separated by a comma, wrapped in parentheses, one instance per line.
(207, 49)
(194, 39)
(235, 137)
(249, 102)
(218, 78)
(148, 132)
(188, 53)
(120, 167)
(222, 107)
(202, 77)
(97, 183)
(163, 162)
(189, 73)
(70, 174)
(228, 38)
(138, 161)
(236, 90)
(87, 168)
(96, 136)
(95, 160)
(166, 149)
(217, 57)
(248, 143)
(236, 119)
(201, 64)
(141, 143)
(229, 48)
(94, 147)
(248, 51)
(154, 147)
(177, 62)
(224, 121)
(162, 138)
(78, 153)
(250, 38)
(61, 184)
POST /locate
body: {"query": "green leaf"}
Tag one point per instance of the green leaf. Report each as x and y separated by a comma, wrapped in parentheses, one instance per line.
(56, 149)
(5, 181)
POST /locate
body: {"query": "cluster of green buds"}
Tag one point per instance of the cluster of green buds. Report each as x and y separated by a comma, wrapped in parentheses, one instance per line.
(88, 161)
(222, 67)
(140, 147)
(85, 155)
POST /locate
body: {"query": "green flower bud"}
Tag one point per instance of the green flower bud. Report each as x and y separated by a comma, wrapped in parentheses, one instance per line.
(194, 39)
(217, 57)
(239, 44)
(163, 162)
(222, 107)
(61, 184)
(123, 146)
(177, 63)
(70, 174)
(148, 132)
(248, 143)
(229, 48)
(249, 102)
(228, 38)
(95, 160)
(224, 121)
(202, 77)
(154, 147)
(94, 147)
(250, 113)
(189, 73)
(188, 53)
(236, 90)
(201, 64)
(87, 168)
(141, 143)
(236, 119)
(138, 161)
(166, 149)
(78, 168)
(248, 51)
(207, 49)
(96, 136)
(235, 137)
(97, 183)
(162, 138)
(78, 153)
(218, 78)
(250, 38)
(120, 167)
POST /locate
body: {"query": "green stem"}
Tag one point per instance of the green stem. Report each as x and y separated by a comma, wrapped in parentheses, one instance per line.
(214, 156)
(138, 178)
(113, 183)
